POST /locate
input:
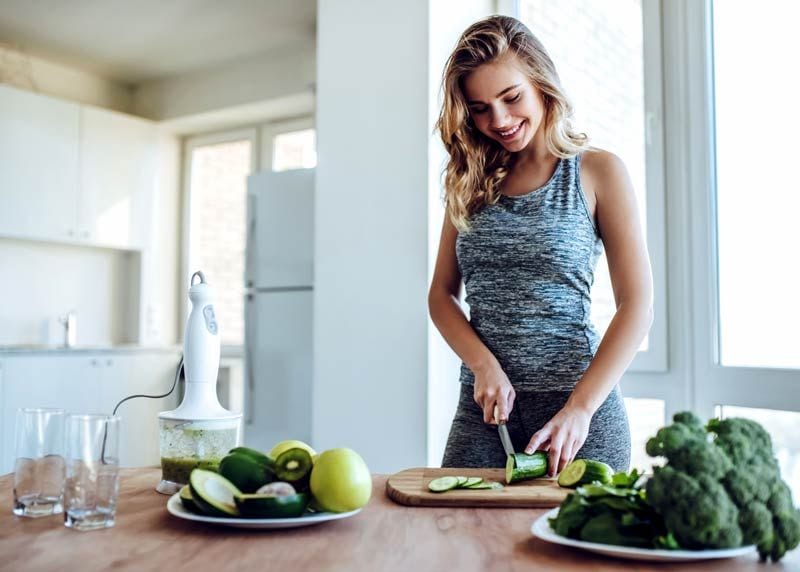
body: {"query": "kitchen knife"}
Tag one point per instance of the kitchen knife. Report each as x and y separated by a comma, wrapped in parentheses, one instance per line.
(505, 439)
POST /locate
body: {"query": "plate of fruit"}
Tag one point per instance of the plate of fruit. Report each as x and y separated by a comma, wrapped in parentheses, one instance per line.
(289, 487)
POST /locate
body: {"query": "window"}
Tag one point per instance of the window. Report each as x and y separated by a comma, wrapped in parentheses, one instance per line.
(218, 167)
(216, 170)
(758, 199)
(646, 417)
(599, 52)
(294, 150)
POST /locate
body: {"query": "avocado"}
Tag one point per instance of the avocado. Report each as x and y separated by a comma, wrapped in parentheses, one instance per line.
(268, 506)
(213, 493)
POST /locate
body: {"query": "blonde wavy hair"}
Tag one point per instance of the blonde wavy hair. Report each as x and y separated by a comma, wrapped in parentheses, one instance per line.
(477, 164)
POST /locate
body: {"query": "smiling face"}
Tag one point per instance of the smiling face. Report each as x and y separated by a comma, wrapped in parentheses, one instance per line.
(504, 105)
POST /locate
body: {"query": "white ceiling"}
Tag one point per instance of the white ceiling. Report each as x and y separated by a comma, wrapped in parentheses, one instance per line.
(135, 40)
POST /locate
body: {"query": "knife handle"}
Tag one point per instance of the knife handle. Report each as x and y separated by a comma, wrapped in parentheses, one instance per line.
(496, 416)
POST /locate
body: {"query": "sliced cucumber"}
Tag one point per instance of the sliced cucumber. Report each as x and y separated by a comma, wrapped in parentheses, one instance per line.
(521, 467)
(462, 481)
(268, 506)
(584, 471)
(293, 465)
(213, 493)
(443, 484)
(485, 485)
(472, 481)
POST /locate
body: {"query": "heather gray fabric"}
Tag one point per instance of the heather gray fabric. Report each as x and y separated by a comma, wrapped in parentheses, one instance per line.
(528, 264)
(473, 443)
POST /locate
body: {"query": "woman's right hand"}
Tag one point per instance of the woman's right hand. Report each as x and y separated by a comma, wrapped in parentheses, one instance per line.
(492, 387)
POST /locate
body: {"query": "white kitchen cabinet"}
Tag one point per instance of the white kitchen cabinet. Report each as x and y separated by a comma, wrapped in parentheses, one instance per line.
(65, 381)
(90, 383)
(117, 178)
(131, 374)
(39, 141)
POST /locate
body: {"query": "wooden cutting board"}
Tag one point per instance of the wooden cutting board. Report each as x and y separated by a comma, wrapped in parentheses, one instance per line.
(410, 487)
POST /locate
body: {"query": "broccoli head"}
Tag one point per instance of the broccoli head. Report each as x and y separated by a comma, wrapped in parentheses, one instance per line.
(688, 451)
(743, 440)
(697, 509)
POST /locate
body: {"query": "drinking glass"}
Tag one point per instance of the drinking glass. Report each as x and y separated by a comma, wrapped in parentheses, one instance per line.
(92, 485)
(39, 465)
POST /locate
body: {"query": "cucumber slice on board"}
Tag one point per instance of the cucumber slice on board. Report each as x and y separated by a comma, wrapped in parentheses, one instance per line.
(443, 484)
(472, 481)
(585, 471)
(521, 467)
(485, 485)
(213, 493)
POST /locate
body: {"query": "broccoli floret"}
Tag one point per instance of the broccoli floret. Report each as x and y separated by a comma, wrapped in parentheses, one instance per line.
(755, 520)
(767, 515)
(697, 510)
(688, 451)
(780, 500)
(787, 533)
(742, 440)
(746, 486)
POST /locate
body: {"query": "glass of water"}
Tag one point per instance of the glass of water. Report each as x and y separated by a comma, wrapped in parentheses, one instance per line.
(92, 484)
(39, 465)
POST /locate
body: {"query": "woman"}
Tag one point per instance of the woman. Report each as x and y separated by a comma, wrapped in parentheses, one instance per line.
(529, 207)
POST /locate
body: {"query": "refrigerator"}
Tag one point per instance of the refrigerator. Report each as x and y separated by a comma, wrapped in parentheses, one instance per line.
(279, 279)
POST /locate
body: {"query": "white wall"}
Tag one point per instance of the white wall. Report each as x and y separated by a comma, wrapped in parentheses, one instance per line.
(40, 281)
(274, 75)
(43, 76)
(385, 383)
(448, 20)
(370, 317)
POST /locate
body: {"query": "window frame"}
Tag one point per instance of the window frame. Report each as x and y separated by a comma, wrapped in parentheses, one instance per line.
(189, 144)
(714, 383)
(268, 132)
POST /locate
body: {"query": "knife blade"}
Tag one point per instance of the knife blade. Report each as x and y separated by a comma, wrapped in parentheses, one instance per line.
(505, 438)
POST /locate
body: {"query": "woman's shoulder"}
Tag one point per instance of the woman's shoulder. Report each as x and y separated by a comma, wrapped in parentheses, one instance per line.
(599, 161)
(601, 168)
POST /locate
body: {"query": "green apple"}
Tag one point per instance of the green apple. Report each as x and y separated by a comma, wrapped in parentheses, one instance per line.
(290, 444)
(340, 480)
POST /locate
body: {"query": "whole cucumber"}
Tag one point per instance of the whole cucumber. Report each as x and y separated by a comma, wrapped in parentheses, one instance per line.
(521, 467)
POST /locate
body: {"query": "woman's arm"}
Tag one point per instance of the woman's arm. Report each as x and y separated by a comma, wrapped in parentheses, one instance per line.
(491, 384)
(629, 266)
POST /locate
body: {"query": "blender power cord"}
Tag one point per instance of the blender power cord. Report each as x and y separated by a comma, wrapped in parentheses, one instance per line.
(174, 385)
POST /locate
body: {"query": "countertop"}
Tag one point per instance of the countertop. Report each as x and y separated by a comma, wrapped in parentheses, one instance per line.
(384, 536)
(33, 349)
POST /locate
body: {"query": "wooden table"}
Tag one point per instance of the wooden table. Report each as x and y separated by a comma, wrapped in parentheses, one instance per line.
(384, 536)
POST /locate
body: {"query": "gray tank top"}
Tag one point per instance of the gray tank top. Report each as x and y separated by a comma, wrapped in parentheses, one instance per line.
(528, 266)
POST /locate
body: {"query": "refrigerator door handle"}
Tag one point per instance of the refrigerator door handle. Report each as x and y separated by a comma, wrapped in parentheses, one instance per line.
(250, 241)
(248, 360)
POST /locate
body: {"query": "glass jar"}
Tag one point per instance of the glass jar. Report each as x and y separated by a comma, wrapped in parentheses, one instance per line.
(193, 444)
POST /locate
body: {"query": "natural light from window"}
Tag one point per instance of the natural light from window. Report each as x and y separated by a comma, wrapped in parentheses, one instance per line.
(218, 184)
(758, 197)
(295, 150)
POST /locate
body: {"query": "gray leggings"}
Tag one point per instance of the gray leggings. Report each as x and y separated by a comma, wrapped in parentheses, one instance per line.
(473, 443)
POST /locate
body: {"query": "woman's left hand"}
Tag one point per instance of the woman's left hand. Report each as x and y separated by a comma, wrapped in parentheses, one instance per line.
(562, 436)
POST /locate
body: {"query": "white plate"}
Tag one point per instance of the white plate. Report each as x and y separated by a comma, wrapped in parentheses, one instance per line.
(541, 528)
(176, 508)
